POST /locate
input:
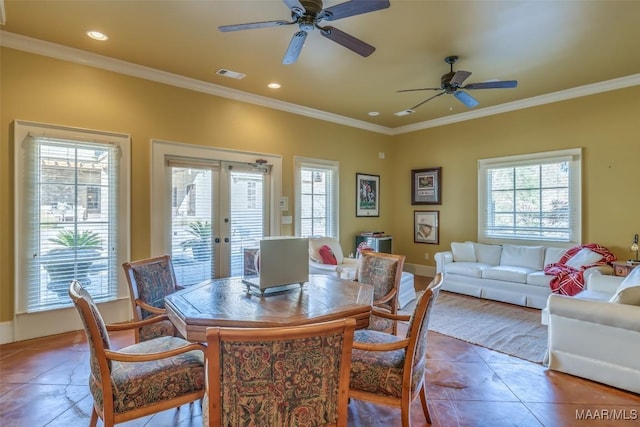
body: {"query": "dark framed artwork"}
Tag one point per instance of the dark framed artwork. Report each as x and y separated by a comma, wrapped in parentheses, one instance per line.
(426, 227)
(367, 195)
(426, 186)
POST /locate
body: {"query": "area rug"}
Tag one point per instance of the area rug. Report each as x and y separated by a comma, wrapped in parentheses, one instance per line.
(506, 328)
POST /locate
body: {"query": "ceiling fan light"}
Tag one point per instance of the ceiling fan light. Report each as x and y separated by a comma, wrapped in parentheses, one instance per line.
(404, 113)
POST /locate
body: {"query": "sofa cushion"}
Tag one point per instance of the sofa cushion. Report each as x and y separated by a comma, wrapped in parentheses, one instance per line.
(315, 243)
(583, 258)
(522, 256)
(553, 255)
(507, 273)
(463, 252)
(538, 278)
(471, 269)
(488, 254)
(629, 290)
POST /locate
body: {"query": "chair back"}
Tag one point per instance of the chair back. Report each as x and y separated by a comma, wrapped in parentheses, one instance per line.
(281, 376)
(384, 272)
(97, 338)
(416, 360)
(150, 280)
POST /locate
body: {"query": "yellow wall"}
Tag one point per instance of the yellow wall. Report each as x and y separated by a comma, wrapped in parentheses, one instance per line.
(41, 89)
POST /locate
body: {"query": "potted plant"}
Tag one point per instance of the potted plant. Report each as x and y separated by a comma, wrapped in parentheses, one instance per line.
(200, 244)
(77, 252)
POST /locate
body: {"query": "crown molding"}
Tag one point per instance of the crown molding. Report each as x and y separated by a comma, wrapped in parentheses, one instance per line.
(53, 50)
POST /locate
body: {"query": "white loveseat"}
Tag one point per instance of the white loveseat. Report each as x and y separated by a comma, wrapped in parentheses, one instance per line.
(345, 268)
(596, 333)
(507, 273)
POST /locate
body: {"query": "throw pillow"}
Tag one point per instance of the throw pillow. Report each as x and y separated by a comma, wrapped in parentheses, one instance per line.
(463, 251)
(583, 258)
(629, 290)
(327, 255)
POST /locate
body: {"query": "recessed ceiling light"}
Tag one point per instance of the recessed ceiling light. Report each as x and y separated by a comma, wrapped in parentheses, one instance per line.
(97, 35)
(273, 85)
(374, 113)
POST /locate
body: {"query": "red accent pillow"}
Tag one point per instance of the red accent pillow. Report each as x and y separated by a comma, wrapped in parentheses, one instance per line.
(327, 255)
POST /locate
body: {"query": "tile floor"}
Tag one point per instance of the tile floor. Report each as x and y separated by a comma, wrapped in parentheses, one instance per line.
(43, 382)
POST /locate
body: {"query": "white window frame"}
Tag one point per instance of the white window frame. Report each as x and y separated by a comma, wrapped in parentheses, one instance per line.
(116, 307)
(333, 217)
(572, 156)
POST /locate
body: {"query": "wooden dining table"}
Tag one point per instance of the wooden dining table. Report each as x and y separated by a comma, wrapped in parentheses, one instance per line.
(228, 302)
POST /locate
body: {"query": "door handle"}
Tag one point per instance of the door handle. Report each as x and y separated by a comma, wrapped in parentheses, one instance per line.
(226, 240)
(217, 240)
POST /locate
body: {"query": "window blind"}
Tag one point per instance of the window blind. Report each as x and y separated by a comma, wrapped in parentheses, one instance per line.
(316, 198)
(535, 197)
(72, 205)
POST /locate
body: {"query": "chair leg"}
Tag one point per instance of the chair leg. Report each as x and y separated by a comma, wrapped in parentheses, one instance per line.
(423, 400)
(94, 418)
(405, 411)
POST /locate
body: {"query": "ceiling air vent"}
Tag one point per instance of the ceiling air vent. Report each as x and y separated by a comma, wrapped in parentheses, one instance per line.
(229, 73)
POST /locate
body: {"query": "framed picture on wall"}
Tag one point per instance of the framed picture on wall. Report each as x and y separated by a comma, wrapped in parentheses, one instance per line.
(367, 195)
(426, 227)
(426, 186)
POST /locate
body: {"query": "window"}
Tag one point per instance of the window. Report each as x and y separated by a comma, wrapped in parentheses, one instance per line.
(316, 186)
(72, 186)
(534, 197)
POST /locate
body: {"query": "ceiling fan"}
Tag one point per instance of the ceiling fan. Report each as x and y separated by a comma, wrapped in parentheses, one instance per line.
(308, 14)
(451, 83)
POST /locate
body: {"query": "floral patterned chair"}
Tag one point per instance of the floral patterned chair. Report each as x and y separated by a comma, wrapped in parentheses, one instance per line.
(383, 271)
(140, 379)
(150, 280)
(390, 370)
(280, 376)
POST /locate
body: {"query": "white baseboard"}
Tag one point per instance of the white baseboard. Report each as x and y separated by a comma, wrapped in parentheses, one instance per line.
(6, 332)
(421, 270)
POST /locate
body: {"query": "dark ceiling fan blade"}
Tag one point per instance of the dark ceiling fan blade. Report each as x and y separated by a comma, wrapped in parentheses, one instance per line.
(459, 77)
(466, 99)
(426, 100)
(351, 8)
(295, 47)
(253, 25)
(424, 88)
(492, 85)
(346, 40)
(295, 6)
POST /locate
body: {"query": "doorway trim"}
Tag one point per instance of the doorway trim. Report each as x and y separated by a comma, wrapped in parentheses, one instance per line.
(160, 179)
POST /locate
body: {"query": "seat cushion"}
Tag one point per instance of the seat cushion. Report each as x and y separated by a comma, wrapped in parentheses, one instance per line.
(377, 372)
(143, 383)
(507, 273)
(471, 269)
(538, 278)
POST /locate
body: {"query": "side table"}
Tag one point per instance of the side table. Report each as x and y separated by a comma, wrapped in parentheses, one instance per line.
(622, 268)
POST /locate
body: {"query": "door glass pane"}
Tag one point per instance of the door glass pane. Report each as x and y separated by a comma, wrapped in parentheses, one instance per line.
(192, 222)
(247, 215)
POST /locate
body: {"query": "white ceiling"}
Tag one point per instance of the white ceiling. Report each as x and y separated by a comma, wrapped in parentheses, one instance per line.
(547, 46)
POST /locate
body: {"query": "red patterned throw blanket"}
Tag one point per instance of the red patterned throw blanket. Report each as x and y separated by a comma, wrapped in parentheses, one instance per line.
(568, 280)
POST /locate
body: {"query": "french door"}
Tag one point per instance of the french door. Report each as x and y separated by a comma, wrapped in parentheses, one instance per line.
(219, 210)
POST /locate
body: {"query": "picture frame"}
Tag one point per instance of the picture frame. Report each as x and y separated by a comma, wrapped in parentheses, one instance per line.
(426, 186)
(426, 227)
(367, 195)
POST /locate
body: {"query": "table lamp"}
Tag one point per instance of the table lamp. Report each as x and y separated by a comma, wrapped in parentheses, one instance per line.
(634, 248)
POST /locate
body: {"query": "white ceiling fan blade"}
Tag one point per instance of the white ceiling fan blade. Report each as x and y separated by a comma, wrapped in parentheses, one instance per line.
(295, 47)
(466, 99)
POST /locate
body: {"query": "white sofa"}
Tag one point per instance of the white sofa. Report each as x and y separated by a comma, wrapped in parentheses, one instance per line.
(346, 267)
(507, 273)
(596, 333)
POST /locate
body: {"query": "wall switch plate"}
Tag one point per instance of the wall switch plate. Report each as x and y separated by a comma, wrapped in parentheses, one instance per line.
(426, 255)
(287, 219)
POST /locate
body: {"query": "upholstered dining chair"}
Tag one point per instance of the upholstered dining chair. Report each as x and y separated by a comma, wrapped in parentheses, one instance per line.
(279, 376)
(388, 369)
(140, 379)
(150, 280)
(383, 271)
